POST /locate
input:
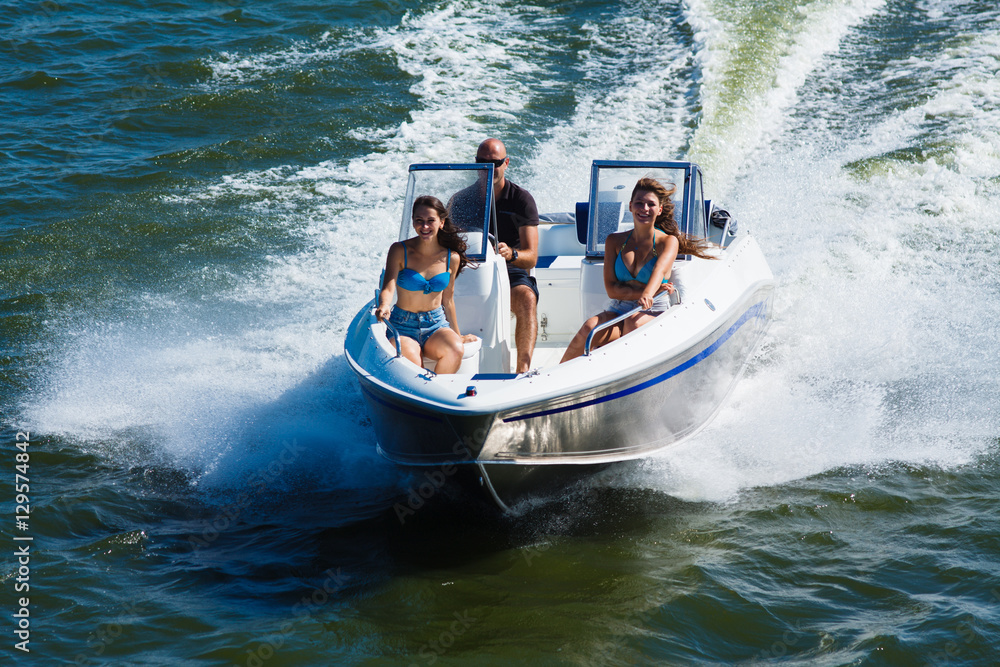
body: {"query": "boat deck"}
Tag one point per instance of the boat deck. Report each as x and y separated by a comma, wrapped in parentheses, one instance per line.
(546, 355)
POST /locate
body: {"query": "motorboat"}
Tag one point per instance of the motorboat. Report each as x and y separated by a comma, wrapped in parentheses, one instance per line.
(514, 436)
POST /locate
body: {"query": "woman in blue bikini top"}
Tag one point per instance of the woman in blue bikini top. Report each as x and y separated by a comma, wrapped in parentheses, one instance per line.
(638, 265)
(424, 314)
(623, 274)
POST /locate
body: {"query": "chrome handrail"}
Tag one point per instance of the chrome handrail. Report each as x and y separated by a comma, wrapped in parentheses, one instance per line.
(605, 325)
(395, 337)
(388, 325)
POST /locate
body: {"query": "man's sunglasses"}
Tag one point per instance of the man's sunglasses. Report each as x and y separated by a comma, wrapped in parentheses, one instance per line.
(496, 163)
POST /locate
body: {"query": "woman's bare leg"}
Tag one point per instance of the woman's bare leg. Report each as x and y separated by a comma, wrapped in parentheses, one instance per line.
(579, 342)
(636, 321)
(446, 348)
(410, 349)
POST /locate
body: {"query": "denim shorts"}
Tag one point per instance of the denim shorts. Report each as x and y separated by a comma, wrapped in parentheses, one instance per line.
(660, 303)
(418, 326)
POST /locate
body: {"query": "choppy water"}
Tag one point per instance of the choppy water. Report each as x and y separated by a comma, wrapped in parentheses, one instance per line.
(196, 197)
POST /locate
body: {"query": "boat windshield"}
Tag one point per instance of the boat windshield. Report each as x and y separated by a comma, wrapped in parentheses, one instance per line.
(611, 184)
(467, 191)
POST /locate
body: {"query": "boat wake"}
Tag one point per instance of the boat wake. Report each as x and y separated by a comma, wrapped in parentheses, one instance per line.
(878, 219)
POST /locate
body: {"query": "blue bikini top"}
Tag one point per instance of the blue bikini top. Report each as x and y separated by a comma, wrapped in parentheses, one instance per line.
(645, 273)
(412, 281)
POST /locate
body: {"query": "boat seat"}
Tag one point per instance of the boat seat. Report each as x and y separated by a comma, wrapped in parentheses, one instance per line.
(558, 238)
(470, 358)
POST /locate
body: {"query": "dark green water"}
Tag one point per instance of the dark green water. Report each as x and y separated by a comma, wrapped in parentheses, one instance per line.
(197, 197)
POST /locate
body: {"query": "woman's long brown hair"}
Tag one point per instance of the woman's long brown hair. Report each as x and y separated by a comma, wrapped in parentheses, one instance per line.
(689, 245)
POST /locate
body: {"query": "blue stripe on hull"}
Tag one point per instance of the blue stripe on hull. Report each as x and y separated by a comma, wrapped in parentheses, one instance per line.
(756, 310)
(410, 413)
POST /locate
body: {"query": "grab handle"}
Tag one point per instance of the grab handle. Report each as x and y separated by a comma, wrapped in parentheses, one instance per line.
(392, 329)
(599, 327)
(395, 337)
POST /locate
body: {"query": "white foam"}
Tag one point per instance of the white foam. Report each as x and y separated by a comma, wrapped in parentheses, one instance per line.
(234, 68)
(752, 73)
(853, 372)
(638, 113)
(885, 309)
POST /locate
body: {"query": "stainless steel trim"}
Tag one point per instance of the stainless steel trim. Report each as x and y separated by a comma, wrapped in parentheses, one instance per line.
(599, 327)
(399, 351)
(395, 337)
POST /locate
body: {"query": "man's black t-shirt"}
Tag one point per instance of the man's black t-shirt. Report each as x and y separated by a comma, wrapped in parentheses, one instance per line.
(515, 209)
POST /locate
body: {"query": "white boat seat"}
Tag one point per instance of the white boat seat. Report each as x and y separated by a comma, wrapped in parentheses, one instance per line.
(470, 358)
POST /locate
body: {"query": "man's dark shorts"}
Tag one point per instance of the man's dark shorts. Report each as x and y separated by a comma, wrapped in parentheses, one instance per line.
(522, 277)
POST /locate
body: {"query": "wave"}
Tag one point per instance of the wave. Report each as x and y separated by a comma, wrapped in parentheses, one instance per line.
(756, 59)
(871, 221)
(219, 391)
(877, 228)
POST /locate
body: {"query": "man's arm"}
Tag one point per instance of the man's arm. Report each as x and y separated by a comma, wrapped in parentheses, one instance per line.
(527, 231)
(527, 254)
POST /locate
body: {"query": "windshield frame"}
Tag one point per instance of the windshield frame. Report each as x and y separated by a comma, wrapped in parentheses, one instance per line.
(486, 225)
(684, 197)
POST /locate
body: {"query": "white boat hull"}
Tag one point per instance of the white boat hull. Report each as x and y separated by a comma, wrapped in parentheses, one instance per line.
(561, 417)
